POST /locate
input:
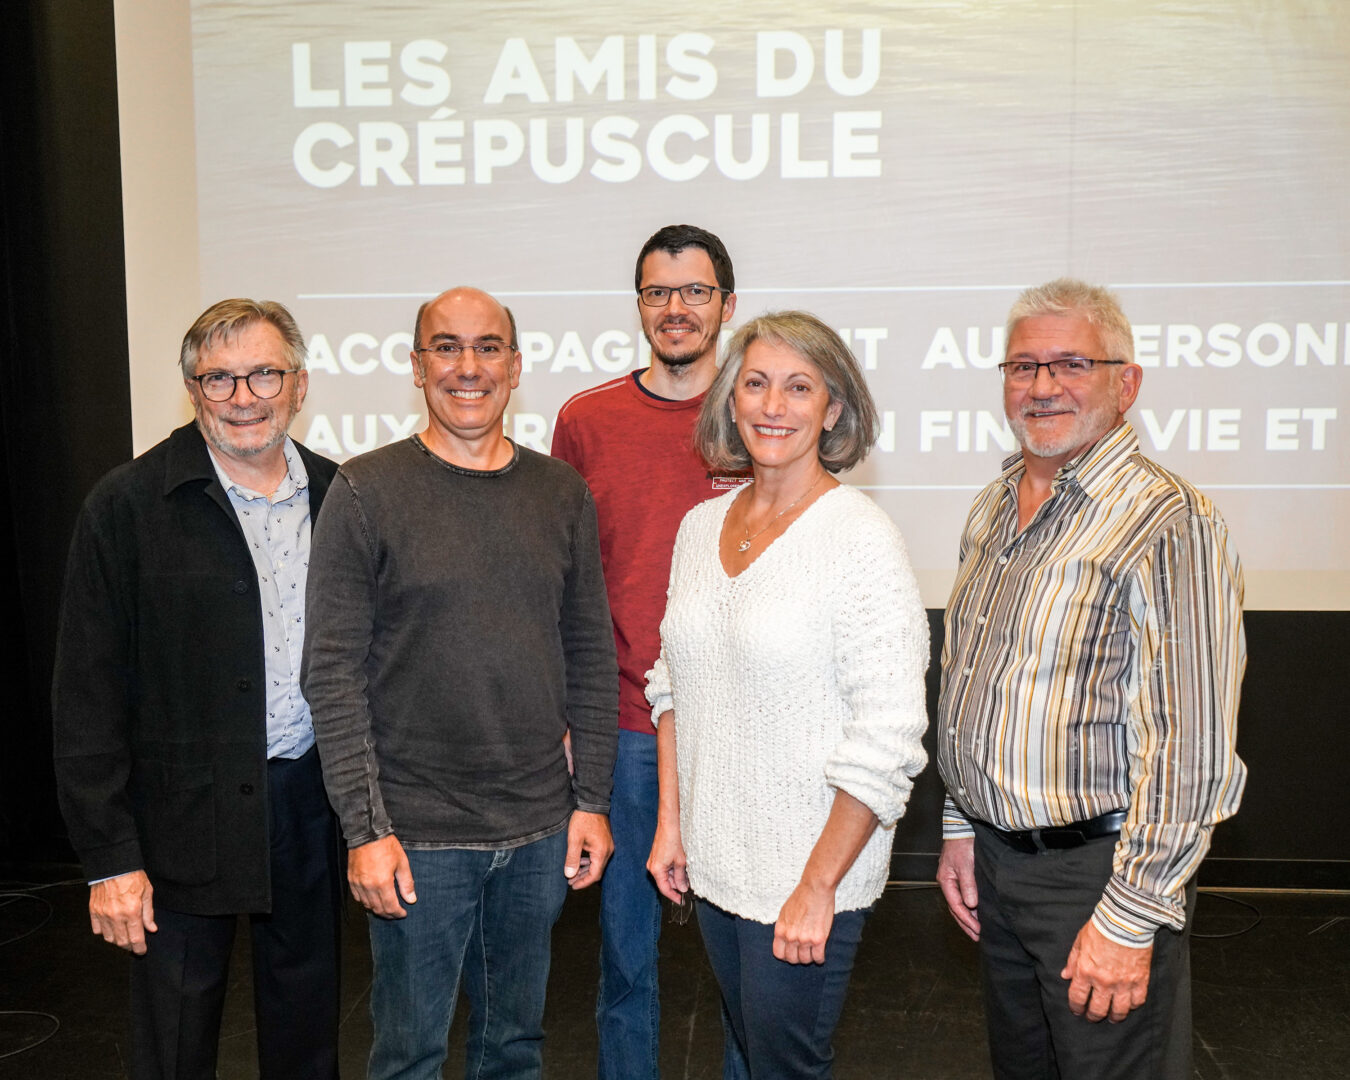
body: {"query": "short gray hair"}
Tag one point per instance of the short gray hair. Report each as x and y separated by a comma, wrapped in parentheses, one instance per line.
(1069, 296)
(226, 319)
(844, 445)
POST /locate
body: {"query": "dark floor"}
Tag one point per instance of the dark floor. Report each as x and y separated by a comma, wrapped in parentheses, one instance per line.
(1273, 1001)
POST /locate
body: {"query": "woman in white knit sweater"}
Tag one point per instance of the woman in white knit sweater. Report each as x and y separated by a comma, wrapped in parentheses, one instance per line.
(789, 695)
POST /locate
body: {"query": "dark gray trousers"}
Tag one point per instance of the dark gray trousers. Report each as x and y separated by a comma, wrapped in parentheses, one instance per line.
(1031, 909)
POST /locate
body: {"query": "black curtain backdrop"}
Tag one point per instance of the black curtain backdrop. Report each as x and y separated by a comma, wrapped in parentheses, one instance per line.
(65, 408)
(65, 420)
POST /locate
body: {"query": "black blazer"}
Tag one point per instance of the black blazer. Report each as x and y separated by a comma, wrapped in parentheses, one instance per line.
(159, 699)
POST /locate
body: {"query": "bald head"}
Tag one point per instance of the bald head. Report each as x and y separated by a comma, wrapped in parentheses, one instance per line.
(463, 298)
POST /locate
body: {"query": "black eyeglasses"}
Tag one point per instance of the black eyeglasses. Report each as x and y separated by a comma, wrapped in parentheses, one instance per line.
(694, 295)
(263, 383)
(1064, 370)
(451, 351)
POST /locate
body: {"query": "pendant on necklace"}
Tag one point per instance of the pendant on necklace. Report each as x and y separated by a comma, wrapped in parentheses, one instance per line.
(744, 545)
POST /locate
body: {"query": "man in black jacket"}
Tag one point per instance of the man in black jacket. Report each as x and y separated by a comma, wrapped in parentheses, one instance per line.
(184, 749)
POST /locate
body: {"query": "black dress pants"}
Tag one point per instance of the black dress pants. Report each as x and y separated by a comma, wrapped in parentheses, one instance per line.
(1031, 907)
(178, 986)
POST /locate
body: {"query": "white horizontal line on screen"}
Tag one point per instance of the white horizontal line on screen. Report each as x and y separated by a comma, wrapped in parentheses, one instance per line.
(822, 290)
(1200, 484)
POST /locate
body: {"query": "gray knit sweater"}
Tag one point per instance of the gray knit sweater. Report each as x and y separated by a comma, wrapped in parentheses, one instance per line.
(457, 626)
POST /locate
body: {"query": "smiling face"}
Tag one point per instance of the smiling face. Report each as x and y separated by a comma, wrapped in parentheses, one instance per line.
(1054, 422)
(781, 404)
(678, 333)
(465, 396)
(246, 428)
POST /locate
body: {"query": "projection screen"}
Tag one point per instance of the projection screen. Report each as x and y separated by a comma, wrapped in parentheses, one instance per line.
(901, 169)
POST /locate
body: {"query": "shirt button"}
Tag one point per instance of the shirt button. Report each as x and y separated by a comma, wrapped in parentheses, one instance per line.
(239, 587)
(980, 619)
(966, 671)
(244, 684)
(245, 789)
(951, 730)
(960, 791)
(1002, 559)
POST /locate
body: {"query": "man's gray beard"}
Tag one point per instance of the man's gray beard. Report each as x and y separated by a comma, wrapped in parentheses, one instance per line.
(1088, 427)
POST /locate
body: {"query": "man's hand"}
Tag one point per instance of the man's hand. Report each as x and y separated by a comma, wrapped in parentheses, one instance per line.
(956, 877)
(1105, 978)
(667, 862)
(803, 925)
(589, 846)
(378, 874)
(120, 909)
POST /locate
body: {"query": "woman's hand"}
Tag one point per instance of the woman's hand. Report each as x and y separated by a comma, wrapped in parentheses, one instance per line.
(803, 925)
(804, 922)
(667, 862)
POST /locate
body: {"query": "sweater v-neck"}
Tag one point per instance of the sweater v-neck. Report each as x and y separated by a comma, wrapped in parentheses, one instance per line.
(717, 552)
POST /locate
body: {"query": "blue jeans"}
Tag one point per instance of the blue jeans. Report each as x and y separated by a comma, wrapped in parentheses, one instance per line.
(485, 916)
(628, 1009)
(782, 1016)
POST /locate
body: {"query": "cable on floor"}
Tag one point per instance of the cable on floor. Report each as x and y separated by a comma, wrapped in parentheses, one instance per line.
(56, 1026)
(1256, 911)
(12, 896)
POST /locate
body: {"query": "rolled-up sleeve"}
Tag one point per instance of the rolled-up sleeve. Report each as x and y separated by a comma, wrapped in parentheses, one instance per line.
(880, 655)
(659, 695)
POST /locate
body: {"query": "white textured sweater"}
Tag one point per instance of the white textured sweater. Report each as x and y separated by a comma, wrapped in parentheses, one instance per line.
(801, 675)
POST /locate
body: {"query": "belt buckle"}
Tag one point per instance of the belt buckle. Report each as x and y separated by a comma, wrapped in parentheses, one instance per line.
(1060, 839)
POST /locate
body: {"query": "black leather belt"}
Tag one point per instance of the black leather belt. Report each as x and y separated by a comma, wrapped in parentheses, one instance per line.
(1058, 837)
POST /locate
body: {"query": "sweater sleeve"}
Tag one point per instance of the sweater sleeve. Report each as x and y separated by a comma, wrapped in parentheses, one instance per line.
(339, 628)
(660, 696)
(592, 669)
(880, 655)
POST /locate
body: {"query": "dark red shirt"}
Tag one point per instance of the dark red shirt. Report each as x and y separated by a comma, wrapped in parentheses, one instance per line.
(636, 452)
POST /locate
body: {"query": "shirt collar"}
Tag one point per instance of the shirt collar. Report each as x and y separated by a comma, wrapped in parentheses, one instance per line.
(1093, 470)
(295, 480)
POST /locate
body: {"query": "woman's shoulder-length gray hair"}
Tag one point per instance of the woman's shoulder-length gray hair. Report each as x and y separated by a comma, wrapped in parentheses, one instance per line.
(844, 445)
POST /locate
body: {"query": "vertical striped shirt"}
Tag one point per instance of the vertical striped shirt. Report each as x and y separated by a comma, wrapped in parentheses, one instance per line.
(1092, 663)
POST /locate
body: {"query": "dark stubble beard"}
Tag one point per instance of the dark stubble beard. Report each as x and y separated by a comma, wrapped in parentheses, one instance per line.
(678, 366)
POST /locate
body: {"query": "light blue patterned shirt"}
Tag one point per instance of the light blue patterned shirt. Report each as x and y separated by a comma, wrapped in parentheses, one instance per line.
(278, 530)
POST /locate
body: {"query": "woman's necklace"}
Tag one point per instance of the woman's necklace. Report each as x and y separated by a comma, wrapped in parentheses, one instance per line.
(744, 545)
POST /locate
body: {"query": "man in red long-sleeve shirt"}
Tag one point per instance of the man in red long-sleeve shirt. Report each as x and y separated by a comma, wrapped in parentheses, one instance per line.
(632, 440)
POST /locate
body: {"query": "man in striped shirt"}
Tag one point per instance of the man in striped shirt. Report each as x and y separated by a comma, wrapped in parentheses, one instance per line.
(1090, 676)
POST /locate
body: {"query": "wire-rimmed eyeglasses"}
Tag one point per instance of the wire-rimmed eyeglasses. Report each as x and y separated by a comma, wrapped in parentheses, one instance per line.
(450, 352)
(694, 294)
(1065, 369)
